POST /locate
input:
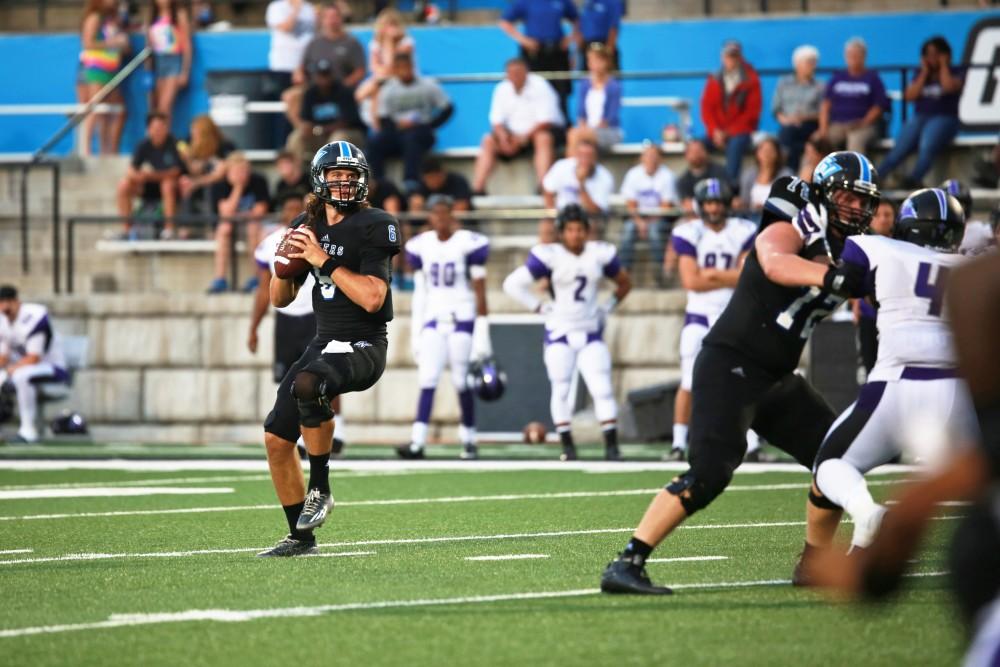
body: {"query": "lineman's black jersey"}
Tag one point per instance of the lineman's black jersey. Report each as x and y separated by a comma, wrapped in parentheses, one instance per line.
(768, 322)
(363, 242)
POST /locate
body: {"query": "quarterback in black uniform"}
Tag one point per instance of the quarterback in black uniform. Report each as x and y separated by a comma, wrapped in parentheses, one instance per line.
(350, 247)
(744, 376)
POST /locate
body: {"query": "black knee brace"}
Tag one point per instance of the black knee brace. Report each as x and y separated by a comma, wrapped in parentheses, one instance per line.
(696, 492)
(309, 391)
(822, 502)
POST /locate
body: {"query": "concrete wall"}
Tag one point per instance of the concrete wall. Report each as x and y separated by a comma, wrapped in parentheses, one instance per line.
(175, 367)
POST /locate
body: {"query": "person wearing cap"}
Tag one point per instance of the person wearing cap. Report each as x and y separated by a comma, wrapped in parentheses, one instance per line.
(543, 44)
(329, 113)
(406, 112)
(648, 188)
(600, 22)
(599, 101)
(853, 103)
(796, 104)
(29, 352)
(730, 108)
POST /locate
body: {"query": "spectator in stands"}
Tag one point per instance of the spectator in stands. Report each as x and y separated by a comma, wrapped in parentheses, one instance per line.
(29, 352)
(291, 176)
(699, 166)
(153, 175)
(599, 104)
(755, 183)
(524, 115)
(408, 110)
(648, 187)
(333, 44)
(292, 24)
(104, 42)
(730, 108)
(202, 13)
(816, 149)
(329, 113)
(796, 103)
(389, 38)
(854, 102)
(934, 91)
(169, 37)
(544, 46)
(242, 201)
(435, 180)
(204, 163)
(579, 180)
(600, 22)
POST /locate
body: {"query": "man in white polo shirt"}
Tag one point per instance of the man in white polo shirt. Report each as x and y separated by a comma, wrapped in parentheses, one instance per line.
(524, 112)
(579, 180)
(292, 24)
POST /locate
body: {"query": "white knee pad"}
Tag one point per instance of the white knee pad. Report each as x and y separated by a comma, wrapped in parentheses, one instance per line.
(459, 351)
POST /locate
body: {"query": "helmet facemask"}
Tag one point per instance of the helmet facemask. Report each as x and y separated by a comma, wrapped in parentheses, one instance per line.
(850, 210)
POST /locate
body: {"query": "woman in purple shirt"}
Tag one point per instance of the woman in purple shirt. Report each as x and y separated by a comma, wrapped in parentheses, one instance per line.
(934, 92)
(854, 102)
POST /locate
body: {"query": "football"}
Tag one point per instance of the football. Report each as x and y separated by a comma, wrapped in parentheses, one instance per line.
(534, 433)
(286, 267)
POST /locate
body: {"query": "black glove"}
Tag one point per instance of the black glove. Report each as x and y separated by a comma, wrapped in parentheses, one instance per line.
(848, 280)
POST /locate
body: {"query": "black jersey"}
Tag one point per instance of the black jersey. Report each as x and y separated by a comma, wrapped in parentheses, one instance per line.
(363, 242)
(771, 323)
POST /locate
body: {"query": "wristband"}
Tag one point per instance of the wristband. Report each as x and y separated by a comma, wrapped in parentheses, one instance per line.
(329, 266)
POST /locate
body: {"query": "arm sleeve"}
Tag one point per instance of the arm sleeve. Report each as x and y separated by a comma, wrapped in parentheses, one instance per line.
(709, 106)
(550, 182)
(785, 199)
(479, 253)
(612, 267)
(413, 257)
(381, 244)
(38, 340)
(376, 262)
(518, 287)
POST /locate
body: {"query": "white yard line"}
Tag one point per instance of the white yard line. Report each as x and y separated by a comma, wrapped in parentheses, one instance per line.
(241, 616)
(686, 559)
(141, 482)
(108, 492)
(341, 554)
(508, 557)
(393, 466)
(16, 551)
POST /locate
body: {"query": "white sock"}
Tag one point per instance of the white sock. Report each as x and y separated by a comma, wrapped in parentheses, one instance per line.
(680, 436)
(753, 441)
(842, 484)
(467, 434)
(866, 524)
(418, 436)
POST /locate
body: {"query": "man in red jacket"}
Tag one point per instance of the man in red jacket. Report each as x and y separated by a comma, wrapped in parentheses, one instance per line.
(730, 107)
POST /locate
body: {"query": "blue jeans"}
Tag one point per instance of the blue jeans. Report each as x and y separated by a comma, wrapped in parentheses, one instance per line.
(928, 135)
(793, 139)
(626, 248)
(736, 148)
(411, 144)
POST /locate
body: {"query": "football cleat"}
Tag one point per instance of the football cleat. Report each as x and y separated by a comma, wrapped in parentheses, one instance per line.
(800, 575)
(624, 576)
(290, 547)
(612, 454)
(675, 454)
(470, 452)
(317, 509)
(568, 453)
(409, 452)
(866, 528)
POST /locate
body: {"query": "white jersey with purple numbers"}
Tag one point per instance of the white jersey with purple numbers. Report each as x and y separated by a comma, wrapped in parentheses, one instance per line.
(31, 333)
(574, 280)
(909, 285)
(263, 254)
(712, 248)
(978, 238)
(446, 266)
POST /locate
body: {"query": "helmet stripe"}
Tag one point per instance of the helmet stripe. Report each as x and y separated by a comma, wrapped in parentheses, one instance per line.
(942, 203)
(342, 146)
(866, 174)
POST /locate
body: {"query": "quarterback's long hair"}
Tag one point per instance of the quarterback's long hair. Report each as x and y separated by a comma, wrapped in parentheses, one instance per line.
(316, 208)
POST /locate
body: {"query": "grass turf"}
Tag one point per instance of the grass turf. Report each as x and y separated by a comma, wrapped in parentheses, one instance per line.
(760, 624)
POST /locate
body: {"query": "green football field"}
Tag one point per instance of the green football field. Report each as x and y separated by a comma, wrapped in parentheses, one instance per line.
(427, 566)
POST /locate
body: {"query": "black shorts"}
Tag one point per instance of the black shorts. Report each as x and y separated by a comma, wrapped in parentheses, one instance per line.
(292, 335)
(731, 394)
(343, 372)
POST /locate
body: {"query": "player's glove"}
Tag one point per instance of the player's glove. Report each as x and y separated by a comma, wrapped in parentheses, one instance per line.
(482, 347)
(848, 280)
(607, 307)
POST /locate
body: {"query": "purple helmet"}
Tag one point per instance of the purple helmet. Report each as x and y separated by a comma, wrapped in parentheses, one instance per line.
(487, 379)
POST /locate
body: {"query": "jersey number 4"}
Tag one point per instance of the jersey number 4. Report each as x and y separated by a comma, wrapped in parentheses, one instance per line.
(931, 290)
(803, 313)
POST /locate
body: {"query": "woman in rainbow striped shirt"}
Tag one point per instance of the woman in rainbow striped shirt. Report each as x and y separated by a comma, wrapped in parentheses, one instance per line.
(103, 42)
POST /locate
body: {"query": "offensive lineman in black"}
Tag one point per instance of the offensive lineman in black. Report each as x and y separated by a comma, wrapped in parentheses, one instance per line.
(743, 377)
(350, 247)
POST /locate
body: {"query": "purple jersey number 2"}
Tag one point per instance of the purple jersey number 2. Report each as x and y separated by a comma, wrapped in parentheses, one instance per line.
(931, 290)
(581, 284)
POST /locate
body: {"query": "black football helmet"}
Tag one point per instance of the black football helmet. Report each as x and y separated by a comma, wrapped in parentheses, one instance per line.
(961, 192)
(853, 172)
(487, 379)
(713, 189)
(572, 213)
(344, 195)
(931, 217)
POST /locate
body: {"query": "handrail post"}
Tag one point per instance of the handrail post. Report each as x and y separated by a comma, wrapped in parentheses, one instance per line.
(233, 271)
(70, 254)
(25, 255)
(56, 277)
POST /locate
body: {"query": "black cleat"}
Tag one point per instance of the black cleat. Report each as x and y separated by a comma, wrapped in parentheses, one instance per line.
(338, 447)
(408, 452)
(290, 547)
(612, 454)
(317, 509)
(470, 452)
(675, 454)
(623, 576)
(568, 453)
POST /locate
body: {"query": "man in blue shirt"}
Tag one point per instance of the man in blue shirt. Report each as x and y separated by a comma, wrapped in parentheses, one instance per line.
(600, 21)
(543, 44)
